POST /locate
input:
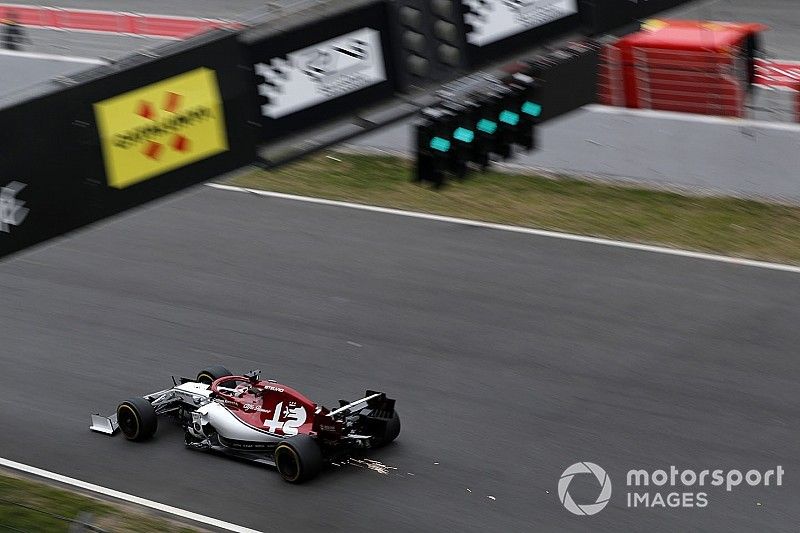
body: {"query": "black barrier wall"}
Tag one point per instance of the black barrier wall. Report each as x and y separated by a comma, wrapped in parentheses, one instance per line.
(41, 190)
(568, 78)
(318, 70)
(123, 135)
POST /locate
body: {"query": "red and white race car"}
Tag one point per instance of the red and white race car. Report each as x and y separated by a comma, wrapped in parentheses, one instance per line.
(258, 420)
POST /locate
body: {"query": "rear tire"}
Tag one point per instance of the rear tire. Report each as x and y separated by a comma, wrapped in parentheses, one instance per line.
(212, 373)
(137, 419)
(390, 431)
(298, 459)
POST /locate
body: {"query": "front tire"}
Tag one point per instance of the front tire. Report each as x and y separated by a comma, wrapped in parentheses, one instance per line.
(137, 419)
(298, 459)
(212, 373)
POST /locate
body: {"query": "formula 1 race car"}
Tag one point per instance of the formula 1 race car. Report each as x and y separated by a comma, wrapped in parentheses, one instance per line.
(258, 420)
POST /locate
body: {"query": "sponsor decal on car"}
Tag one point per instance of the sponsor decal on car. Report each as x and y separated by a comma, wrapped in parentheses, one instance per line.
(225, 401)
(251, 407)
(287, 419)
(161, 127)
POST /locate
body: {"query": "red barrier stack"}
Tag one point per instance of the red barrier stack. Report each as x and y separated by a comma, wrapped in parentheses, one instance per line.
(162, 26)
(674, 65)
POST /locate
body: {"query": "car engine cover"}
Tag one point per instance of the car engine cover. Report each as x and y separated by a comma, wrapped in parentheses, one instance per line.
(228, 426)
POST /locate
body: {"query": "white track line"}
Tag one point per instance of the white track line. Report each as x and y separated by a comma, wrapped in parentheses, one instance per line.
(54, 57)
(125, 497)
(689, 117)
(766, 62)
(519, 229)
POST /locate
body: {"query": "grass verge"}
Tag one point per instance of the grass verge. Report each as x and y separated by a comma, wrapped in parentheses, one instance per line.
(35, 507)
(736, 227)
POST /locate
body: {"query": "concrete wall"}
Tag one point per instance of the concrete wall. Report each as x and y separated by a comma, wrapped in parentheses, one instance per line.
(729, 156)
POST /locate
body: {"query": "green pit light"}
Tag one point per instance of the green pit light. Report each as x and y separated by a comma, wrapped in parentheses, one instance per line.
(442, 145)
(532, 108)
(487, 126)
(464, 135)
(509, 117)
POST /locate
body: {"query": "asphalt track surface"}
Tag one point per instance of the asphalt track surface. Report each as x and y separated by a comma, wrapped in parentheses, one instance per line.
(511, 356)
(20, 73)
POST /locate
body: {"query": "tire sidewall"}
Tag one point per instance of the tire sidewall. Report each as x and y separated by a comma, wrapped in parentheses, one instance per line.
(126, 406)
(287, 449)
(142, 411)
(307, 457)
(212, 373)
(203, 376)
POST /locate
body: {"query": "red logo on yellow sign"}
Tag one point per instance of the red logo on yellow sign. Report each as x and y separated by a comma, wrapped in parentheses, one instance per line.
(161, 127)
(147, 110)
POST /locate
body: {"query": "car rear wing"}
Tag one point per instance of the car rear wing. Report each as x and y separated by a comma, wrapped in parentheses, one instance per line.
(374, 400)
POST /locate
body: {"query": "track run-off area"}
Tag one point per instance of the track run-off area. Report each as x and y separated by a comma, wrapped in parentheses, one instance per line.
(512, 356)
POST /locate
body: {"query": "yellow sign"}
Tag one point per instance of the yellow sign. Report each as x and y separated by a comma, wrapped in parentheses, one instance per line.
(653, 25)
(167, 125)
